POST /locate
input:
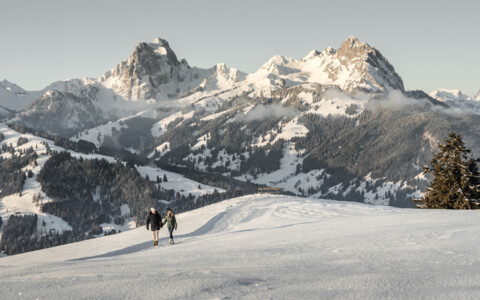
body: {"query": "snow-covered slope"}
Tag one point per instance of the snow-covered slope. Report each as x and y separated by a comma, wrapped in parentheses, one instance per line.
(12, 87)
(70, 85)
(22, 203)
(62, 112)
(265, 246)
(5, 113)
(14, 97)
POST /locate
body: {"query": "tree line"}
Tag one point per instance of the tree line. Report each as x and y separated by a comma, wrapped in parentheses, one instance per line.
(11, 175)
(87, 193)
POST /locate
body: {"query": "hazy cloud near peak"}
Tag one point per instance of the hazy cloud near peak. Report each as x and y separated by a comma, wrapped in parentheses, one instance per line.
(394, 99)
(337, 94)
(262, 112)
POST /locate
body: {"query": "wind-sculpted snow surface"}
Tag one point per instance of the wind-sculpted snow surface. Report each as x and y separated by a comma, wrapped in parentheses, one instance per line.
(266, 246)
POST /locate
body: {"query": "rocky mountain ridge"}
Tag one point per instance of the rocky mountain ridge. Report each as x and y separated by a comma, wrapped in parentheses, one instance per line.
(150, 75)
(154, 73)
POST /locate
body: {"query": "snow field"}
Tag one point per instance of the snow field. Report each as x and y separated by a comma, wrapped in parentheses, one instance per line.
(266, 246)
(177, 182)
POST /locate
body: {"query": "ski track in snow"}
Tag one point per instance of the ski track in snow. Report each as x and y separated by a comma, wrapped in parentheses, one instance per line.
(266, 246)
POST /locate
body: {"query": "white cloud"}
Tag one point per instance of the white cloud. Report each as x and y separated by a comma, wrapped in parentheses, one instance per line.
(262, 112)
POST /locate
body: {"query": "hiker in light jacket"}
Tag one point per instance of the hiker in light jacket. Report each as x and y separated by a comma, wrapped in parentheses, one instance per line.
(171, 223)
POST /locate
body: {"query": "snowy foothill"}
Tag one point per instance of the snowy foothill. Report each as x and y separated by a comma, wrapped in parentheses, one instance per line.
(266, 246)
(177, 182)
(22, 203)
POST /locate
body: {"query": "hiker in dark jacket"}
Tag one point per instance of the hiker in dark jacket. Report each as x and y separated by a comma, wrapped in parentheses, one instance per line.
(155, 221)
(171, 223)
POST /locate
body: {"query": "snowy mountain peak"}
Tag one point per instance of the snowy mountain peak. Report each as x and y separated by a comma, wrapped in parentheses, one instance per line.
(445, 95)
(12, 87)
(161, 46)
(280, 66)
(161, 42)
(147, 53)
(222, 67)
(15, 98)
(355, 66)
(352, 48)
(278, 60)
(376, 73)
(477, 97)
(220, 77)
(153, 72)
(328, 51)
(149, 66)
(229, 73)
(313, 53)
(353, 41)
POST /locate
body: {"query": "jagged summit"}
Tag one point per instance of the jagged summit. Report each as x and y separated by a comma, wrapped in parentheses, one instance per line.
(162, 48)
(355, 66)
(148, 53)
(351, 41)
(228, 72)
(160, 41)
(360, 58)
(329, 51)
(313, 53)
(222, 77)
(353, 48)
(153, 72)
(148, 67)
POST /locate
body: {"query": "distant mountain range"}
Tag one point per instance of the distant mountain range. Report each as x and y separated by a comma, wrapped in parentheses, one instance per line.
(152, 74)
(321, 125)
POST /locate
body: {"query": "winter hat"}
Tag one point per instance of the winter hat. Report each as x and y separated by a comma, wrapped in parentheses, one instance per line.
(152, 210)
(169, 209)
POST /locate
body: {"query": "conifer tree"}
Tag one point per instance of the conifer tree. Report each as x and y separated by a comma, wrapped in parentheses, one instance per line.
(456, 182)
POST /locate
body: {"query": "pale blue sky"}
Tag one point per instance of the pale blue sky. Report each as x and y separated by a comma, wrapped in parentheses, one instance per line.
(431, 44)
